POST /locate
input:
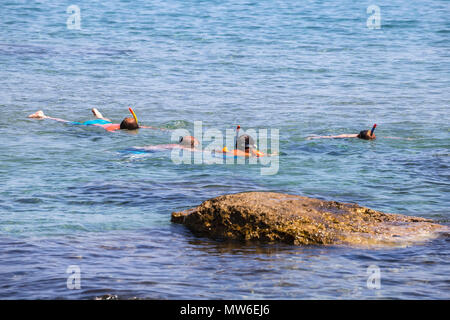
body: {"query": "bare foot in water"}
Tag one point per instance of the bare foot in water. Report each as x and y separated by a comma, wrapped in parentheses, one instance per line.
(37, 115)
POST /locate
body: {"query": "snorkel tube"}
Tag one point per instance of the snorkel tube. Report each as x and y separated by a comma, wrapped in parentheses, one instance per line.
(134, 115)
(373, 129)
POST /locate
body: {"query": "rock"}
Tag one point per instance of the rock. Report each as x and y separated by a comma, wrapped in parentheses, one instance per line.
(292, 219)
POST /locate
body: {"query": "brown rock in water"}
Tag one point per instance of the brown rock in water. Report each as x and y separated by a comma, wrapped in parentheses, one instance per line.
(277, 217)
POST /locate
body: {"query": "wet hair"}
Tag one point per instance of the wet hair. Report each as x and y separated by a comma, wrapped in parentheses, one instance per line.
(245, 142)
(189, 141)
(365, 134)
(129, 124)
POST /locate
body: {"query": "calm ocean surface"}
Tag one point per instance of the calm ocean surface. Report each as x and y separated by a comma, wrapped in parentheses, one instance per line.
(69, 195)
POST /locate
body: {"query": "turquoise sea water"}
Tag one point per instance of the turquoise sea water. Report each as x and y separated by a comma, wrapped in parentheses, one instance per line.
(69, 195)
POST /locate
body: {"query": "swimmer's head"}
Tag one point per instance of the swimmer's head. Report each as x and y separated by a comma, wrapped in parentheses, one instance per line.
(189, 142)
(366, 135)
(245, 143)
(129, 124)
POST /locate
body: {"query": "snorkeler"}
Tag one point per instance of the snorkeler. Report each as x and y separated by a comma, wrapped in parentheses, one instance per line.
(100, 121)
(244, 146)
(365, 135)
